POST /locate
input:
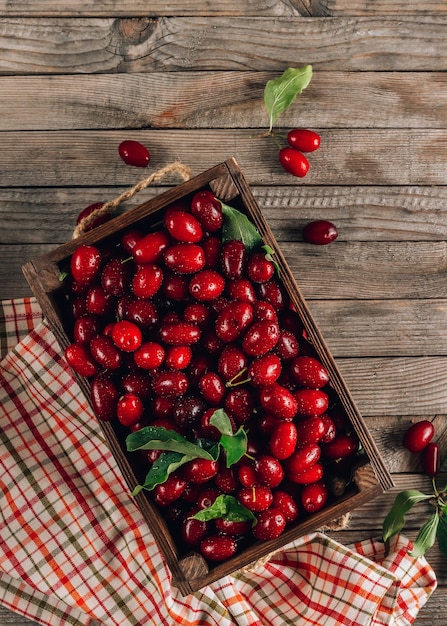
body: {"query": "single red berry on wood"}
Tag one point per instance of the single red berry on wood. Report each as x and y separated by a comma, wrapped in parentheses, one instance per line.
(304, 139)
(418, 436)
(134, 153)
(293, 162)
(320, 232)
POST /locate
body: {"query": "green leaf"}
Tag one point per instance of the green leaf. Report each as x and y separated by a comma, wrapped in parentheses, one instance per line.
(269, 252)
(227, 507)
(279, 93)
(221, 421)
(235, 446)
(237, 226)
(166, 463)
(441, 533)
(426, 536)
(395, 520)
(159, 438)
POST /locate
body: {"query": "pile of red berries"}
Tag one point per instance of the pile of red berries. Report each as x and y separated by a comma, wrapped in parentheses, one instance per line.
(174, 323)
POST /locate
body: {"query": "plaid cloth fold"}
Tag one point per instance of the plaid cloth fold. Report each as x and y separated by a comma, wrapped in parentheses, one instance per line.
(75, 549)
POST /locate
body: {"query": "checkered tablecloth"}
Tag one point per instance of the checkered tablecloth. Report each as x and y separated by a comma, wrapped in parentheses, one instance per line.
(75, 549)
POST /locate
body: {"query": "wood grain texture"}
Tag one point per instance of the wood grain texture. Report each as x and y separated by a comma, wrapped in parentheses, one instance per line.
(220, 99)
(362, 213)
(147, 44)
(349, 157)
(254, 8)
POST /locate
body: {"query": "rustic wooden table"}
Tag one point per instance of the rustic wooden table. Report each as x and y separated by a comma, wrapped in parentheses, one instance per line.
(77, 80)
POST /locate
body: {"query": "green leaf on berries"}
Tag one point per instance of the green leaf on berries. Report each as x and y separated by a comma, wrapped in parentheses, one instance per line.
(222, 422)
(234, 444)
(166, 463)
(395, 520)
(269, 252)
(426, 536)
(236, 225)
(227, 507)
(279, 93)
(441, 533)
(160, 438)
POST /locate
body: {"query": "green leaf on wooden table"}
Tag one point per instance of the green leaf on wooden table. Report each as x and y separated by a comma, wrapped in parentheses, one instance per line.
(237, 226)
(441, 533)
(166, 463)
(426, 537)
(160, 438)
(395, 520)
(279, 93)
(227, 507)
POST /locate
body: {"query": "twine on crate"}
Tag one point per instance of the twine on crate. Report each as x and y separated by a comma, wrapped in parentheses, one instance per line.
(172, 168)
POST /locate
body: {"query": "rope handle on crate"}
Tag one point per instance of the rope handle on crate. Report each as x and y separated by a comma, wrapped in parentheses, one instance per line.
(172, 168)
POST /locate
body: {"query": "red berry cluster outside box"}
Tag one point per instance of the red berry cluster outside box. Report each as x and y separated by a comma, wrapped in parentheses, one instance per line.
(368, 475)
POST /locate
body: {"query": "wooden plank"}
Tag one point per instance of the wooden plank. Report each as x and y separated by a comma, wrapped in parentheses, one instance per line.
(221, 100)
(129, 8)
(254, 8)
(80, 45)
(361, 213)
(379, 7)
(348, 157)
(383, 327)
(420, 388)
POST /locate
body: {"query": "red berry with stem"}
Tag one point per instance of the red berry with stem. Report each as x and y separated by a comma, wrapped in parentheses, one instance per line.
(255, 498)
(134, 153)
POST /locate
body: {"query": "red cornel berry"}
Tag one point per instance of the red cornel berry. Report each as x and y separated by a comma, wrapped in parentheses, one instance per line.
(134, 153)
(320, 232)
(418, 436)
(293, 162)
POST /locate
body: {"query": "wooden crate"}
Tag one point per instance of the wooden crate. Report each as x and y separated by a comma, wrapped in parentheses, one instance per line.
(190, 572)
